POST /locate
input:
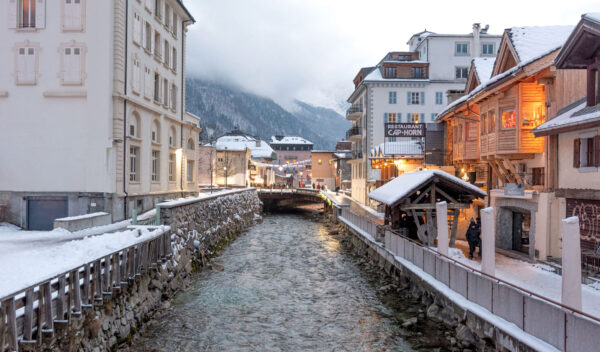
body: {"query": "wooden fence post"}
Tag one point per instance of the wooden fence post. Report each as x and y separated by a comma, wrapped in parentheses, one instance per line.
(11, 319)
(28, 317)
(48, 315)
(76, 290)
(86, 284)
(60, 299)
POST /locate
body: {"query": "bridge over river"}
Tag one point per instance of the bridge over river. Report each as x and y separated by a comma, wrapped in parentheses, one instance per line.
(287, 284)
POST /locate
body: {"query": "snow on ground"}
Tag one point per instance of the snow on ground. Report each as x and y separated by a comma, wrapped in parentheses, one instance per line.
(28, 257)
(535, 277)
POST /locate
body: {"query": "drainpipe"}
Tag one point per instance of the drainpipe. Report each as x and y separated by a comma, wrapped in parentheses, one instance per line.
(125, 115)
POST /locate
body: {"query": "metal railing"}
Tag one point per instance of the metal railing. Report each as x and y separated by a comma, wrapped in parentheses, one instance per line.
(354, 131)
(563, 327)
(31, 314)
(354, 109)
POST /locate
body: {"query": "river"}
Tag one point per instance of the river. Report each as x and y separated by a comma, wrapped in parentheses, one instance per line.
(287, 285)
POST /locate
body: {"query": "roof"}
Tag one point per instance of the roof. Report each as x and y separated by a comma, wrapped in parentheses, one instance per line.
(289, 140)
(592, 16)
(583, 44)
(483, 68)
(242, 142)
(180, 2)
(404, 185)
(571, 117)
(531, 44)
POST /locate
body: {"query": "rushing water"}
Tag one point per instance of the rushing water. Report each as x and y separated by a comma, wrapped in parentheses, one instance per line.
(286, 285)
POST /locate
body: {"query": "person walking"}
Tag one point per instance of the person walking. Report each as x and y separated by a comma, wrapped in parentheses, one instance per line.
(472, 237)
(478, 225)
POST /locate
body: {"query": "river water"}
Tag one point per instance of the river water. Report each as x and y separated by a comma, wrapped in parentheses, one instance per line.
(286, 285)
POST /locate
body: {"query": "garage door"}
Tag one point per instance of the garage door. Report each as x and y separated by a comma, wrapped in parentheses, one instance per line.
(41, 212)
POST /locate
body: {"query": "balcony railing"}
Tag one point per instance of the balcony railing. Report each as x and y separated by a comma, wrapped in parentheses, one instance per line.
(357, 154)
(354, 109)
(354, 131)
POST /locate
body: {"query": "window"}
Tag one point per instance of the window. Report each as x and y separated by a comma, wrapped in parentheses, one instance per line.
(462, 48)
(509, 119)
(174, 24)
(487, 49)
(26, 10)
(190, 144)
(414, 118)
(134, 164)
(133, 125)
(433, 115)
(390, 72)
(137, 28)
(167, 51)
(167, 16)
(462, 72)
(155, 165)
(166, 88)
(491, 121)
(148, 82)
(537, 176)
(173, 97)
(439, 98)
(174, 60)
(158, 9)
(73, 15)
(171, 167)
(155, 134)
(137, 75)
(157, 47)
(156, 87)
(532, 114)
(391, 117)
(148, 37)
(172, 136)
(417, 72)
(586, 152)
(415, 98)
(392, 97)
(190, 171)
(27, 65)
(72, 65)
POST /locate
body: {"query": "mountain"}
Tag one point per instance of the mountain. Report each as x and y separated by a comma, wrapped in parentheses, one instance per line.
(223, 108)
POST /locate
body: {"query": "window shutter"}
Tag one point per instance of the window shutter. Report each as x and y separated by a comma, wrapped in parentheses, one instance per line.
(399, 117)
(422, 98)
(21, 65)
(408, 98)
(422, 119)
(597, 151)
(30, 65)
(576, 155)
(76, 65)
(12, 13)
(40, 14)
(385, 117)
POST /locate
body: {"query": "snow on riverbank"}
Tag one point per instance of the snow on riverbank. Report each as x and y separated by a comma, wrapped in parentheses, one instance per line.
(28, 257)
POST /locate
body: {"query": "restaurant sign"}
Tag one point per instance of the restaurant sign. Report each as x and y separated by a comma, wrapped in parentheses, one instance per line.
(404, 129)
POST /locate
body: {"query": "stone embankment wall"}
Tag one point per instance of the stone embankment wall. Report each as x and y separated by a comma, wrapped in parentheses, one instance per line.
(199, 228)
(471, 332)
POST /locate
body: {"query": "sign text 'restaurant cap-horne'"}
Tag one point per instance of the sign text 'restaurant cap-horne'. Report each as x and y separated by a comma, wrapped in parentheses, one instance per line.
(404, 129)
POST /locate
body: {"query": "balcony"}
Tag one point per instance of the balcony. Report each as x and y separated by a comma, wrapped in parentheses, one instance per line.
(354, 134)
(354, 113)
(357, 154)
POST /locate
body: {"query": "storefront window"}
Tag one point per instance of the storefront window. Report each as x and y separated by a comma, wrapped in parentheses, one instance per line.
(532, 114)
(509, 119)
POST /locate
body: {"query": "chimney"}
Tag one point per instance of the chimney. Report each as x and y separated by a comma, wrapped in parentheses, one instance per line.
(258, 142)
(476, 40)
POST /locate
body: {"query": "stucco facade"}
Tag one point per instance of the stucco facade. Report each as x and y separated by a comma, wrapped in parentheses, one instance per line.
(73, 102)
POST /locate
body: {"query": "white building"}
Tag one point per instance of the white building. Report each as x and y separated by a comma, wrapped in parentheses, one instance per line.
(407, 87)
(260, 165)
(92, 109)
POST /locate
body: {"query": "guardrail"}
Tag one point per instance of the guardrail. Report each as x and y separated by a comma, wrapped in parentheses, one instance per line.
(31, 314)
(354, 109)
(353, 131)
(563, 327)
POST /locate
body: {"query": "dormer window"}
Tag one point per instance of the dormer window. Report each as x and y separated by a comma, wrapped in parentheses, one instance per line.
(418, 72)
(390, 72)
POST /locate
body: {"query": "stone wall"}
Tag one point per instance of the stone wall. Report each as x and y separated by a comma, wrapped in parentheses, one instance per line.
(199, 228)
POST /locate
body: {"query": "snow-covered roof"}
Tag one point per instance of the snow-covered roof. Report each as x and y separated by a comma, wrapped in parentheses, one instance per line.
(532, 43)
(592, 16)
(241, 143)
(289, 140)
(483, 68)
(408, 147)
(403, 185)
(573, 115)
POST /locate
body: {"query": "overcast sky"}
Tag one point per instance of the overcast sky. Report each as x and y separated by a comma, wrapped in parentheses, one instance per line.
(312, 49)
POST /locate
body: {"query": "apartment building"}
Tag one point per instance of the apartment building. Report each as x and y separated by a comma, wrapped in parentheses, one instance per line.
(92, 108)
(395, 100)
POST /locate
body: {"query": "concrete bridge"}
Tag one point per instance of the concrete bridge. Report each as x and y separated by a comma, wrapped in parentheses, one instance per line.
(290, 197)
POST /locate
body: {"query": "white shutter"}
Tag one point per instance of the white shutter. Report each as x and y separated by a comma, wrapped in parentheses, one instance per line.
(67, 65)
(77, 14)
(30, 65)
(76, 65)
(21, 64)
(144, 41)
(68, 14)
(40, 14)
(169, 102)
(12, 13)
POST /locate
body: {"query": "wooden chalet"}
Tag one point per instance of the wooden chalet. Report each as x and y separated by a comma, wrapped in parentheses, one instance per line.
(410, 201)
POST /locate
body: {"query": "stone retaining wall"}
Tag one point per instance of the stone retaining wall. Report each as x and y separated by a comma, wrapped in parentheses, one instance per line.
(199, 228)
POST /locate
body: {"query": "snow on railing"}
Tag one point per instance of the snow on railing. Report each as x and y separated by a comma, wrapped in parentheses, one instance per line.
(31, 314)
(565, 328)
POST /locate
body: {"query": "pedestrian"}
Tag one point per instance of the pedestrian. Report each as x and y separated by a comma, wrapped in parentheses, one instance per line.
(478, 224)
(472, 237)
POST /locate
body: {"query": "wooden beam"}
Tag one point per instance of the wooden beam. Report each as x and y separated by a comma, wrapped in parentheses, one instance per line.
(494, 167)
(507, 175)
(423, 193)
(425, 206)
(513, 170)
(448, 197)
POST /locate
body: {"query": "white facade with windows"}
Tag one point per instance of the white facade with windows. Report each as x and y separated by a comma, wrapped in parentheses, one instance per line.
(78, 108)
(440, 63)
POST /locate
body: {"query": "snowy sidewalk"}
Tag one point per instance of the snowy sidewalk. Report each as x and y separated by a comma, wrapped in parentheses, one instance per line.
(535, 277)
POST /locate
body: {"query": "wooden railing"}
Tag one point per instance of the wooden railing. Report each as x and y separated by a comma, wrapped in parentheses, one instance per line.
(31, 315)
